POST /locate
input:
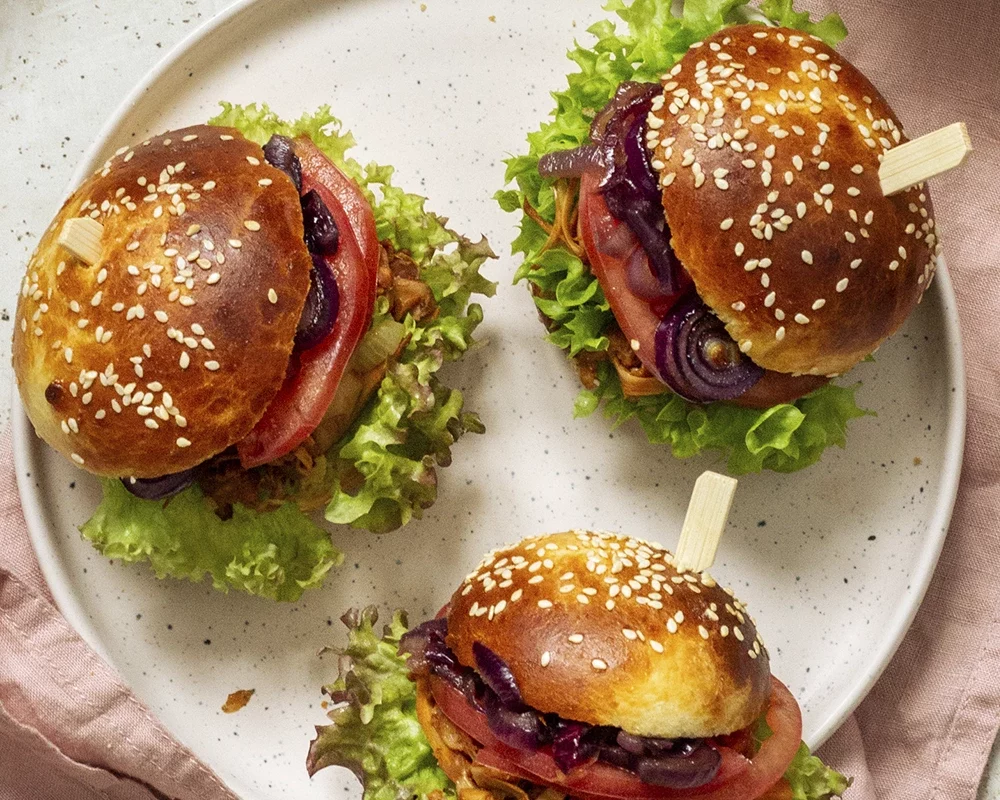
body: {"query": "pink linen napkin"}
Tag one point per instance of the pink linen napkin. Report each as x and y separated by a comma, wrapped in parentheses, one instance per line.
(69, 728)
(926, 729)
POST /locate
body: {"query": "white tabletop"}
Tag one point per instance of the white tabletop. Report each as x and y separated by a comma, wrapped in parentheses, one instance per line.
(66, 66)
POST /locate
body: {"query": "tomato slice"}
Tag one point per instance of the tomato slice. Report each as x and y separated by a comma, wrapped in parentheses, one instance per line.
(767, 767)
(738, 778)
(311, 385)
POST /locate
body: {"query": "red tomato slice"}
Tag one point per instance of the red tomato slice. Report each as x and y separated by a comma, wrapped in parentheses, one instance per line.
(738, 777)
(309, 389)
(768, 766)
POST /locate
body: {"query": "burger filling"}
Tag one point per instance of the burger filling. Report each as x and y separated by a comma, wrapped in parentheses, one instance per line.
(501, 733)
(402, 722)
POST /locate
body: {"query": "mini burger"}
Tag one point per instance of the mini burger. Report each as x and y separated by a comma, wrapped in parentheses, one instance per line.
(731, 215)
(211, 318)
(574, 665)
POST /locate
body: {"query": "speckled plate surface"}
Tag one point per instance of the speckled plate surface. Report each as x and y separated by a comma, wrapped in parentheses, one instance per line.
(832, 561)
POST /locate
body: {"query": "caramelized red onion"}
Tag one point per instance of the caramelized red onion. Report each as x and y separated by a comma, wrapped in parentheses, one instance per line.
(322, 305)
(573, 744)
(629, 185)
(685, 766)
(697, 358)
(280, 154)
(571, 163)
(497, 675)
(321, 233)
(493, 690)
(322, 237)
(159, 488)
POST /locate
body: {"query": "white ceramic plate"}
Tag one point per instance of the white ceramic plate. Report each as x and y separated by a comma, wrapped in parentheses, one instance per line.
(833, 561)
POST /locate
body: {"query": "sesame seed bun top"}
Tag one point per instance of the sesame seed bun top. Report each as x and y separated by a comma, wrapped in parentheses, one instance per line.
(768, 145)
(602, 629)
(170, 347)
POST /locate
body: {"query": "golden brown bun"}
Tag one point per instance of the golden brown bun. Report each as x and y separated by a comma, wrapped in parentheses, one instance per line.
(805, 287)
(177, 205)
(602, 629)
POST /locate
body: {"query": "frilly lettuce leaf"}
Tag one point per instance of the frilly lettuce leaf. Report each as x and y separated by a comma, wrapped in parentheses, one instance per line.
(278, 554)
(374, 730)
(830, 29)
(809, 778)
(784, 438)
(411, 423)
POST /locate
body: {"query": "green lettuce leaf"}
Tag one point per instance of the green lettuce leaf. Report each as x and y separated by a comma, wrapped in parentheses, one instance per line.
(409, 426)
(374, 730)
(811, 779)
(277, 555)
(784, 438)
(830, 29)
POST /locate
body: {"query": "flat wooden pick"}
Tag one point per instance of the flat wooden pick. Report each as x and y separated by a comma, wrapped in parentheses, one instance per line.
(705, 522)
(82, 237)
(923, 158)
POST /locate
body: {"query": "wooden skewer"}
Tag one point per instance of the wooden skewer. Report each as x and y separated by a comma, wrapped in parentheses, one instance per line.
(923, 158)
(82, 237)
(705, 522)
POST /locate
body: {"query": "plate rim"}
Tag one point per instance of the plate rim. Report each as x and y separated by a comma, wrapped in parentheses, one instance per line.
(44, 541)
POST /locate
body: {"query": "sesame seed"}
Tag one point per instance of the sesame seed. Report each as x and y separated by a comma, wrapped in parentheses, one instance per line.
(726, 224)
(802, 319)
(272, 296)
(546, 659)
(780, 333)
(251, 225)
(842, 284)
(544, 603)
(807, 257)
(702, 632)
(599, 664)
(575, 638)
(77, 458)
